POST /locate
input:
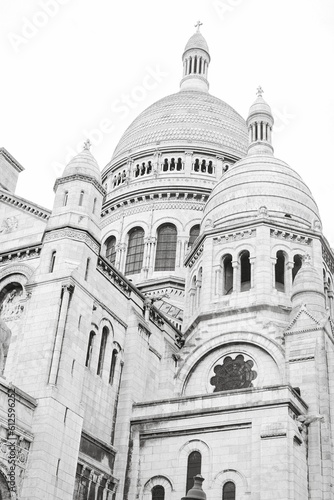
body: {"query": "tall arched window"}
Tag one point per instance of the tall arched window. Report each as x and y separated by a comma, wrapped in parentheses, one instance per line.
(65, 199)
(229, 491)
(297, 264)
(102, 353)
(194, 467)
(280, 271)
(110, 246)
(194, 232)
(90, 349)
(113, 365)
(166, 248)
(245, 271)
(227, 275)
(81, 198)
(52, 261)
(158, 493)
(134, 257)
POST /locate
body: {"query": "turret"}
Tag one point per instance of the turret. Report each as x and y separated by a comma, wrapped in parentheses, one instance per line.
(308, 289)
(260, 122)
(196, 60)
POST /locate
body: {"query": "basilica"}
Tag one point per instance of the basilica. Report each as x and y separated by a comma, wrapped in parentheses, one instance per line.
(170, 318)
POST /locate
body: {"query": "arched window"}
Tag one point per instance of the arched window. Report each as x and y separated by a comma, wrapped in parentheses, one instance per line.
(87, 268)
(90, 349)
(194, 467)
(165, 165)
(166, 248)
(94, 205)
(194, 232)
(227, 275)
(280, 271)
(245, 271)
(113, 366)
(102, 353)
(81, 198)
(297, 264)
(110, 246)
(135, 254)
(65, 199)
(179, 164)
(52, 262)
(158, 493)
(229, 491)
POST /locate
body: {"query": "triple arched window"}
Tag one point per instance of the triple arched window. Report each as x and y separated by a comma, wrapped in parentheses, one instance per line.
(166, 248)
(135, 253)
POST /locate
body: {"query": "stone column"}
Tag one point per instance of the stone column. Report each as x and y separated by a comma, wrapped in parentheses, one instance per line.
(288, 277)
(236, 277)
(252, 270)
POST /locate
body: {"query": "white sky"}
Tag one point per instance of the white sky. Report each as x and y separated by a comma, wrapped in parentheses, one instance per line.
(85, 58)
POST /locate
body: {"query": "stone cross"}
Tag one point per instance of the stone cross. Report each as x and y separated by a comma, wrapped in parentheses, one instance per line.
(259, 91)
(198, 25)
(87, 145)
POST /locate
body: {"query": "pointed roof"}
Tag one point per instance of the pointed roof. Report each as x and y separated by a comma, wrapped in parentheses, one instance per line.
(84, 164)
(197, 41)
(259, 106)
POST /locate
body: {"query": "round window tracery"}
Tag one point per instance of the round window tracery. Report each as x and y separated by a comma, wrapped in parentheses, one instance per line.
(234, 373)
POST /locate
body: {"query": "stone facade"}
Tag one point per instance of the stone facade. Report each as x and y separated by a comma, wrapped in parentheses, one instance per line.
(168, 317)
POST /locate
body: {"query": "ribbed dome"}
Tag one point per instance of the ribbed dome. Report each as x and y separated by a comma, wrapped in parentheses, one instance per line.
(197, 41)
(85, 164)
(187, 118)
(259, 107)
(261, 181)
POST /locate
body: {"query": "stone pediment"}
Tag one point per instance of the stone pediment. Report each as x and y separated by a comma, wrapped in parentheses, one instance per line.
(19, 204)
(303, 321)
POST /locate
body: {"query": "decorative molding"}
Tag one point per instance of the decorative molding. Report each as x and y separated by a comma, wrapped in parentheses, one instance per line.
(113, 277)
(144, 331)
(289, 236)
(10, 158)
(305, 358)
(27, 206)
(154, 351)
(328, 258)
(80, 177)
(196, 255)
(21, 254)
(239, 235)
(73, 234)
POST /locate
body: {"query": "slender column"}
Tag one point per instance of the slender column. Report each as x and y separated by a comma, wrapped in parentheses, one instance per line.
(258, 130)
(288, 277)
(252, 267)
(218, 282)
(250, 134)
(236, 280)
(273, 260)
(264, 131)
(66, 293)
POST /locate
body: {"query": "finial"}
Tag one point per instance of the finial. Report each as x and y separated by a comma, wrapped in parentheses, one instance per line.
(198, 25)
(87, 145)
(259, 91)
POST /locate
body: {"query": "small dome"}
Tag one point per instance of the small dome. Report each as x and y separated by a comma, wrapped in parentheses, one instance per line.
(259, 181)
(307, 280)
(197, 41)
(259, 107)
(84, 164)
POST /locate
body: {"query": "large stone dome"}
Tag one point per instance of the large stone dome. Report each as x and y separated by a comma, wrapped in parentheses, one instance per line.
(188, 118)
(261, 185)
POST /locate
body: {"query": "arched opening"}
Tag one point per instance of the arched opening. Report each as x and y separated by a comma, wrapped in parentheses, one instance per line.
(196, 165)
(227, 275)
(245, 271)
(110, 248)
(280, 271)
(229, 491)
(81, 198)
(87, 268)
(166, 248)
(65, 199)
(194, 232)
(210, 167)
(52, 262)
(90, 349)
(194, 467)
(94, 205)
(158, 493)
(297, 264)
(165, 165)
(113, 366)
(4, 488)
(135, 253)
(104, 338)
(179, 164)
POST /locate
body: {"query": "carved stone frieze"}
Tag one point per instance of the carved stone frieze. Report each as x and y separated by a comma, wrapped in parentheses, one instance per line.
(239, 235)
(290, 236)
(73, 234)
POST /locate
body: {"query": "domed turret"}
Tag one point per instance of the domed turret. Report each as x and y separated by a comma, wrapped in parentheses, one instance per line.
(83, 163)
(196, 59)
(261, 180)
(308, 288)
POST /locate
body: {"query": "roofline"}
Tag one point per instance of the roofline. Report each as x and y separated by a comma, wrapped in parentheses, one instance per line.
(10, 158)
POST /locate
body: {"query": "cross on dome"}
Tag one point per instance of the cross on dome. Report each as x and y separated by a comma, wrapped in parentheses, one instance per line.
(259, 91)
(198, 25)
(87, 145)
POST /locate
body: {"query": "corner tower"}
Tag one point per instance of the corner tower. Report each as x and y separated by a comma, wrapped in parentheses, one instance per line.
(160, 177)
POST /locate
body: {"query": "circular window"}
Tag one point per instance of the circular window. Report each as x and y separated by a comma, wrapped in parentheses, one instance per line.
(234, 373)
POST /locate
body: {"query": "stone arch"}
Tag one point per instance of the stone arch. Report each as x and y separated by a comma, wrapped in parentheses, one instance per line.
(257, 339)
(157, 481)
(236, 477)
(223, 251)
(205, 451)
(106, 322)
(17, 269)
(131, 225)
(167, 220)
(5, 493)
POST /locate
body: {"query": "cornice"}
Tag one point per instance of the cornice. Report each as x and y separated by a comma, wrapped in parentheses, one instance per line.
(10, 158)
(79, 177)
(25, 205)
(21, 254)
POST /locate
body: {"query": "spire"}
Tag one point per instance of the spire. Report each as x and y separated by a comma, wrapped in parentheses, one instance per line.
(260, 122)
(196, 59)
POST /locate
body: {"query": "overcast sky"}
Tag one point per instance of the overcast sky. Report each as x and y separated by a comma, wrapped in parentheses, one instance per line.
(72, 68)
